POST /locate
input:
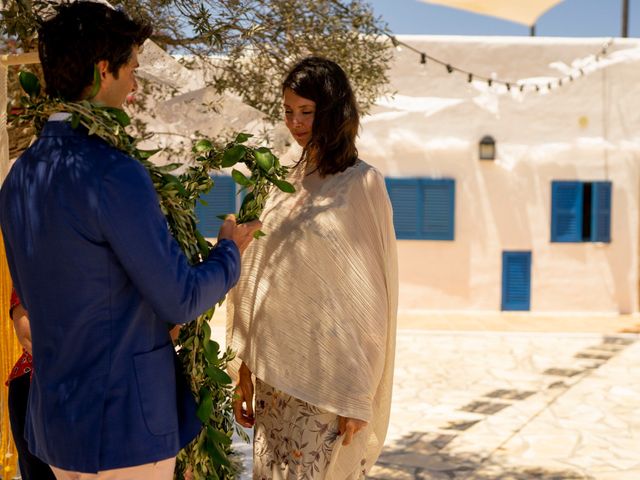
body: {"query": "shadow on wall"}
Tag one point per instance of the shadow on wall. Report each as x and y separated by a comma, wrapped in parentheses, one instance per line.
(620, 267)
(508, 194)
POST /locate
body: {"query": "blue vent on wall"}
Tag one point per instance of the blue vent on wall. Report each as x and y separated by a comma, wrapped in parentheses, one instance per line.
(516, 280)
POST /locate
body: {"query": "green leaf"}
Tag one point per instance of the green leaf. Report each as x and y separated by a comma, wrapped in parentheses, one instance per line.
(217, 436)
(29, 83)
(222, 217)
(120, 115)
(187, 343)
(95, 88)
(145, 154)
(258, 233)
(239, 178)
(205, 407)
(243, 137)
(211, 351)
(206, 330)
(203, 146)
(249, 197)
(216, 452)
(284, 185)
(202, 244)
(217, 375)
(173, 180)
(233, 155)
(75, 120)
(264, 158)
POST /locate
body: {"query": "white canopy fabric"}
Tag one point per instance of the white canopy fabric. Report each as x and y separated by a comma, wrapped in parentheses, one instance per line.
(525, 12)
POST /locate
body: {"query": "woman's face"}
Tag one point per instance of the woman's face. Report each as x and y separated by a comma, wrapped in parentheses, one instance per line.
(298, 115)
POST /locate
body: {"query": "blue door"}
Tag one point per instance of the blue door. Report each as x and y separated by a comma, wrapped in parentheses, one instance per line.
(516, 281)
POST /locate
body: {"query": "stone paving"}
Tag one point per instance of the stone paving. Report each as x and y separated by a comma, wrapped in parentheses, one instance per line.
(511, 406)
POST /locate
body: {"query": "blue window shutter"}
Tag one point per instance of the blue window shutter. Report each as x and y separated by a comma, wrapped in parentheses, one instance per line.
(404, 196)
(516, 280)
(438, 209)
(566, 211)
(601, 212)
(221, 199)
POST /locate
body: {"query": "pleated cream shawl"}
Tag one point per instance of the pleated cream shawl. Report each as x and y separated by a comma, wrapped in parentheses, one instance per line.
(314, 311)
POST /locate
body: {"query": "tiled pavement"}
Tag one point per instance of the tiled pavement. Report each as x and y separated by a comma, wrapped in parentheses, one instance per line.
(512, 406)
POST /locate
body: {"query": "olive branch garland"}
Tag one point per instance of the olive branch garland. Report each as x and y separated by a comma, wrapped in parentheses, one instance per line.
(207, 456)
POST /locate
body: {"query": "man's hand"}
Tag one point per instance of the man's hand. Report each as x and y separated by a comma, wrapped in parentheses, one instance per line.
(240, 234)
(244, 394)
(349, 427)
(21, 325)
(174, 332)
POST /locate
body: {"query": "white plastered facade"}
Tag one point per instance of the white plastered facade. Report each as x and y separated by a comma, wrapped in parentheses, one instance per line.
(587, 130)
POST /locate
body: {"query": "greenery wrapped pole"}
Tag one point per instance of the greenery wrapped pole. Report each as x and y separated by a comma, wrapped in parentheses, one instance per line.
(200, 356)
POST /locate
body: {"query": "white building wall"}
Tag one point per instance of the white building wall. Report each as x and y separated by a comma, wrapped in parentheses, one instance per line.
(587, 130)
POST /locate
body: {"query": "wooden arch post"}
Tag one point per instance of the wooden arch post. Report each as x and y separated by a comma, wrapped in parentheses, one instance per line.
(9, 347)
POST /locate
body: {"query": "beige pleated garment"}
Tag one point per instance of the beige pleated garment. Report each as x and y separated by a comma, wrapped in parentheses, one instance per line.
(314, 311)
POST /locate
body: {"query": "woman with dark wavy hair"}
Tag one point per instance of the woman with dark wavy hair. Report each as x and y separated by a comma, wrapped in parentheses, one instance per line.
(313, 316)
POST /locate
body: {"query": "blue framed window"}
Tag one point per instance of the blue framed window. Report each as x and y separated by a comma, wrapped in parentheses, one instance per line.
(580, 211)
(221, 199)
(516, 281)
(423, 208)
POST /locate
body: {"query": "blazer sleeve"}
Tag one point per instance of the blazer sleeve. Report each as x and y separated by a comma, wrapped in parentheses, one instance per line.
(135, 228)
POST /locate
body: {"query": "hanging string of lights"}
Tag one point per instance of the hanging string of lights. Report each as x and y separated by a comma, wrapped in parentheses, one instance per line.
(520, 85)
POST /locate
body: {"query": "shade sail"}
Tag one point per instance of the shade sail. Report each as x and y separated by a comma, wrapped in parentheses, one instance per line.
(525, 12)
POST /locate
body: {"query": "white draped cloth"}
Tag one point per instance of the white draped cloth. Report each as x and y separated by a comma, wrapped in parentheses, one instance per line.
(314, 311)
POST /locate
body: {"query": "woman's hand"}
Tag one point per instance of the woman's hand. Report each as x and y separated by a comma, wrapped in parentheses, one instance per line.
(349, 427)
(21, 325)
(244, 395)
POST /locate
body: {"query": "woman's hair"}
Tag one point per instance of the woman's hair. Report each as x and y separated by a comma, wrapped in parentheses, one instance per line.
(336, 120)
(80, 35)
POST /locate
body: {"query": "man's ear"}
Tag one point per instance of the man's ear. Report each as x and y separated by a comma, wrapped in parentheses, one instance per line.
(103, 68)
(100, 71)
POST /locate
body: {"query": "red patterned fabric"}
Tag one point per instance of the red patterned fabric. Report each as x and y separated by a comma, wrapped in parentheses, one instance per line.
(24, 364)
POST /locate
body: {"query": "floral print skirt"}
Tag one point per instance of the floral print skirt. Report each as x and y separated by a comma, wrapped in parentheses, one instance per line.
(293, 440)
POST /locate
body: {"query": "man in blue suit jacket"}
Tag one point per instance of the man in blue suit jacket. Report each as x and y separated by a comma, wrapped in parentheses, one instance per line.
(95, 266)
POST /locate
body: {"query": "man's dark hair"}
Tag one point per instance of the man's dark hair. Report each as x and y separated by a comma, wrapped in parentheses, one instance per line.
(78, 37)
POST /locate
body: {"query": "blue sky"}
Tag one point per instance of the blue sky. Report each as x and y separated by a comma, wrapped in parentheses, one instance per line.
(571, 18)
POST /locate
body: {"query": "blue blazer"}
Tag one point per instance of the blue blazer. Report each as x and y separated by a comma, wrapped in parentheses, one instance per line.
(94, 264)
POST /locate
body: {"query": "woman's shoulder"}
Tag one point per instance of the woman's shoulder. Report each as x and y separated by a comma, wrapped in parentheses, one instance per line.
(367, 173)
